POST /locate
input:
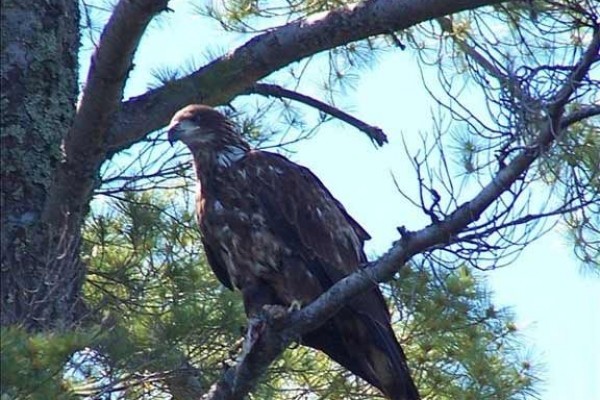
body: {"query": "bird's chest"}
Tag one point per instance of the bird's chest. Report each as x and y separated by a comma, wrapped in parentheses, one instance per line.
(232, 220)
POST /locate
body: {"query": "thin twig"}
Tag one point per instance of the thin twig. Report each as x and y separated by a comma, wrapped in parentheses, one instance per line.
(267, 89)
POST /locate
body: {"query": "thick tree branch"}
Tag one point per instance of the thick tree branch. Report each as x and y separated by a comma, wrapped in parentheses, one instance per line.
(276, 335)
(580, 115)
(221, 80)
(84, 145)
(373, 132)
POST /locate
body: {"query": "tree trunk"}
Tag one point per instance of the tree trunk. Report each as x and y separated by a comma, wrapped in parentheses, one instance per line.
(41, 274)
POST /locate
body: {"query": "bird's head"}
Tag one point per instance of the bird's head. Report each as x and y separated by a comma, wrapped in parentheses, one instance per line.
(201, 127)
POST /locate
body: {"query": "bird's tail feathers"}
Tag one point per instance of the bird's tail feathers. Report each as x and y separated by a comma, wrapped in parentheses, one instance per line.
(367, 348)
(388, 363)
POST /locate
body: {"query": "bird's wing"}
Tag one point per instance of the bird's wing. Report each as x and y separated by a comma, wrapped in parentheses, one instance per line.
(282, 237)
(216, 263)
(301, 210)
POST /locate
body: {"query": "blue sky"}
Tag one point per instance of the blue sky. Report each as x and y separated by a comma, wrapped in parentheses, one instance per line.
(556, 305)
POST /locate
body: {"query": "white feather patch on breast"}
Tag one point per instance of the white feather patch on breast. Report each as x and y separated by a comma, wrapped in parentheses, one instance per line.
(218, 206)
(229, 155)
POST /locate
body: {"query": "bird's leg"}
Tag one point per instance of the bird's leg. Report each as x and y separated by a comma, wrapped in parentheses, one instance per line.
(257, 299)
(275, 312)
(256, 327)
(278, 312)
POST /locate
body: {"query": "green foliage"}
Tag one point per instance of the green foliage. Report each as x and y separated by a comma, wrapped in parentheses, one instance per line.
(462, 346)
(33, 364)
(573, 169)
(147, 278)
(252, 15)
(161, 307)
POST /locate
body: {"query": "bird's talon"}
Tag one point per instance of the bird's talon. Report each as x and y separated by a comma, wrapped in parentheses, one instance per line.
(276, 312)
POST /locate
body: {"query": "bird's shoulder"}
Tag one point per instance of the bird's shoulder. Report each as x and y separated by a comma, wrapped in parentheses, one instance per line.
(290, 187)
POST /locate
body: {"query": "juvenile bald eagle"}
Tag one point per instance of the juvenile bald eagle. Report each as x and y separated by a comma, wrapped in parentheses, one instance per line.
(272, 230)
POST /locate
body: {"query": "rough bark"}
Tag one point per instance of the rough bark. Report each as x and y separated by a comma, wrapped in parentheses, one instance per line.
(84, 146)
(55, 153)
(40, 284)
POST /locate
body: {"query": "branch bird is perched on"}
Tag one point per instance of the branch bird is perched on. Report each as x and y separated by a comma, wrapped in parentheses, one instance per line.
(272, 230)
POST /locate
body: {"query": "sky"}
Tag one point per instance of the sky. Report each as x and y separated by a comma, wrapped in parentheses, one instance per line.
(557, 306)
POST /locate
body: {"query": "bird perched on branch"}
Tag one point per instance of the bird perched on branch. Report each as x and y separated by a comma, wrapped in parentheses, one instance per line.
(272, 230)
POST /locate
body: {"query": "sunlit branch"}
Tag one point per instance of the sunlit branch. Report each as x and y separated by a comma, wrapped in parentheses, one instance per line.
(580, 115)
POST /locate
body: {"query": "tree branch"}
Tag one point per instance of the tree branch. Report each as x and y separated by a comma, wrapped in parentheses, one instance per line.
(221, 80)
(504, 77)
(580, 115)
(266, 89)
(84, 145)
(276, 335)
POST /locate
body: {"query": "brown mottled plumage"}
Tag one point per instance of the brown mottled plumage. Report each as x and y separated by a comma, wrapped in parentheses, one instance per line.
(271, 229)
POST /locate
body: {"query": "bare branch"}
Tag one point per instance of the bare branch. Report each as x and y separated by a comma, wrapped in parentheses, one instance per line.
(528, 218)
(580, 115)
(265, 89)
(438, 233)
(447, 26)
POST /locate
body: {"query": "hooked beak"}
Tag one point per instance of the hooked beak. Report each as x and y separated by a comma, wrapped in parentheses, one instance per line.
(174, 133)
